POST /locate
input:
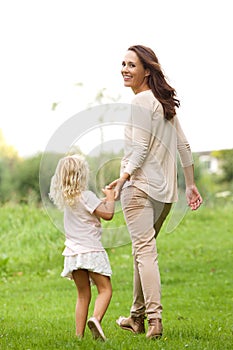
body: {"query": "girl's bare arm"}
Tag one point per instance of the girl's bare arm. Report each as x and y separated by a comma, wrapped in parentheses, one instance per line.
(106, 209)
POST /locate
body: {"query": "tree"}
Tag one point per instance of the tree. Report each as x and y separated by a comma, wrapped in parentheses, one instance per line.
(225, 158)
(8, 162)
(6, 151)
(103, 170)
(27, 179)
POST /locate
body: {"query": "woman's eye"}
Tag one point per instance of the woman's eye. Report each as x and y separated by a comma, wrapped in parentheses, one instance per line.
(130, 65)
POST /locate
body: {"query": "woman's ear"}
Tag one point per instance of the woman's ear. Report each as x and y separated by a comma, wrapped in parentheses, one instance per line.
(147, 72)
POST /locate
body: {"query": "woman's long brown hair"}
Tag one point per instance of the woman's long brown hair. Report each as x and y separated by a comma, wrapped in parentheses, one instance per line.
(156, 81)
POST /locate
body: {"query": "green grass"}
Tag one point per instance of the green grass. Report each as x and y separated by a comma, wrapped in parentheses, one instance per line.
(37, 305)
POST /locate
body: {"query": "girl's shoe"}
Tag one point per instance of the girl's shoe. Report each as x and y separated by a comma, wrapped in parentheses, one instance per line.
(132, 324)
(96, 329)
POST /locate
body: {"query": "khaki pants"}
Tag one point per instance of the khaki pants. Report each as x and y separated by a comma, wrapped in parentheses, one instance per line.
(144, 217)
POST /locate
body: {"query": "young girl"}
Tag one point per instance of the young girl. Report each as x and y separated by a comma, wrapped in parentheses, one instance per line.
(86, 261)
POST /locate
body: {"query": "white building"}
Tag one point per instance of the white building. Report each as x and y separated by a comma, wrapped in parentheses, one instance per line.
(210, 164)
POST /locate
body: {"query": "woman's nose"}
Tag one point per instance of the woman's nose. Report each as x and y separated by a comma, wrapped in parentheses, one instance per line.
(124, 69)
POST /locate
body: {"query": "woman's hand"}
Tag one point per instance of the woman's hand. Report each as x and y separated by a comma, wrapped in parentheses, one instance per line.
(117, 186)
(193, 197)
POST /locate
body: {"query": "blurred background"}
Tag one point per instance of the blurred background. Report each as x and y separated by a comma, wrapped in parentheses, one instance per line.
(60, 58)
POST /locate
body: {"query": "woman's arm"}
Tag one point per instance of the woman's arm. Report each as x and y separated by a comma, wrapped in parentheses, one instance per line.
(141, 126)
(193, 196)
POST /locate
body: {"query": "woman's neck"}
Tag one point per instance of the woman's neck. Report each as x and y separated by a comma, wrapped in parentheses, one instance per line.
(137, 91)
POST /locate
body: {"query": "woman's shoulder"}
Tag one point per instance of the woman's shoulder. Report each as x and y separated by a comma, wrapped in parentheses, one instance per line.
(143, 95)
(146, 99)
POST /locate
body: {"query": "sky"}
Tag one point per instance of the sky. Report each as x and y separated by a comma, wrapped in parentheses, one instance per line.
(65, 52)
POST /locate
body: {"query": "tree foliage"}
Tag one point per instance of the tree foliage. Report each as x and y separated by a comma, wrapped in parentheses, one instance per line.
(225, 157)
(27, 179)
(104, 168)
(8, 163)
(6, 151)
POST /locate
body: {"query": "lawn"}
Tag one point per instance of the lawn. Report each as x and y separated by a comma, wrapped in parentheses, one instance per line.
(195, 258)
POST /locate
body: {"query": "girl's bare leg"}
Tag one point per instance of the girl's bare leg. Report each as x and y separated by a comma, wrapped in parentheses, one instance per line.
(102, 301)
(81, 279)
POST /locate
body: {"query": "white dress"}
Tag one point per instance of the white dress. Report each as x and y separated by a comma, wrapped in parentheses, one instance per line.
(94, 261)
(83, 247)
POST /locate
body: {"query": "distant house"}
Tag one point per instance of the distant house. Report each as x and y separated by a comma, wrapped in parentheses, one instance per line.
(209, 163)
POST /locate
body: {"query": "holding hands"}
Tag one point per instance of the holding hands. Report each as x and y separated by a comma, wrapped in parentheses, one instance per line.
(193, 197)
(109, 193)
(116, 185)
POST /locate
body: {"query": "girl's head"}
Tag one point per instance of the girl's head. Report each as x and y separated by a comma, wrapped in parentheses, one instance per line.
(69, 180)
(144, 64)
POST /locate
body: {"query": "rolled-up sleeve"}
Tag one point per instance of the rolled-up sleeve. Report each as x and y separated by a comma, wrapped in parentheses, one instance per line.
(183, 146)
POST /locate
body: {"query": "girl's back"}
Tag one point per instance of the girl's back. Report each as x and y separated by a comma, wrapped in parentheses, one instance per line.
(82, 226)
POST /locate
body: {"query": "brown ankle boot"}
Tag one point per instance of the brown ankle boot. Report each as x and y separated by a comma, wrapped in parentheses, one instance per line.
(132, 324)
(155, 328)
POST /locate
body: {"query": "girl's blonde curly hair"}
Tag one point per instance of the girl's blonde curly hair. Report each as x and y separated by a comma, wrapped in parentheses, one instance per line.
(69, 180)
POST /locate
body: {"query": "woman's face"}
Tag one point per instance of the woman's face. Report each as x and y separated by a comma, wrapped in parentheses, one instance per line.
(133, 72)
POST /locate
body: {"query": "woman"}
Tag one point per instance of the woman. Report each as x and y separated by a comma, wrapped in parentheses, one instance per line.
(148, 180)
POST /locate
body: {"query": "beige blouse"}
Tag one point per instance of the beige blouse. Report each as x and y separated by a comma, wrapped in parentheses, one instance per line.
(151, 145)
